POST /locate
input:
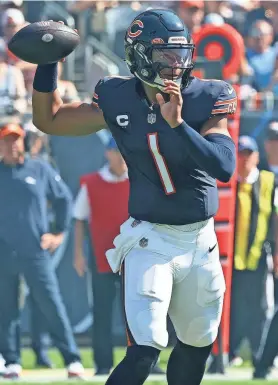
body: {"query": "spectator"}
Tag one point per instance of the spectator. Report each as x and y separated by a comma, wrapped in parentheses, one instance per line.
(12, 88)
(78, 6)
(221, 8)
(36, 142)
(25, 246)
(192, 13)
(271, 149)
(214, 19)
(96, 202)
(255, 226)
(260, 55)
(6, 5)
(39, 337)
(265, 10)
(117, 20)
(274, 19)
(36, 146)
(12, 21)
(239, 10)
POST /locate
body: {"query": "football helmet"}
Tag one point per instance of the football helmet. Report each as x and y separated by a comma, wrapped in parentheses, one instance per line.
(158, 46)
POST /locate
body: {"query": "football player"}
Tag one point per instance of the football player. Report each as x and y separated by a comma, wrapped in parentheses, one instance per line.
(171, 129)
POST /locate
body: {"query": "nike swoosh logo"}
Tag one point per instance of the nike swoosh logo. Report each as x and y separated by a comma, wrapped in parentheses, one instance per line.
(230, 90)
(212, 248)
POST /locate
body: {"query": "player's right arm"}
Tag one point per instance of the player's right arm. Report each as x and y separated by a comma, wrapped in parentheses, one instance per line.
(53, 117)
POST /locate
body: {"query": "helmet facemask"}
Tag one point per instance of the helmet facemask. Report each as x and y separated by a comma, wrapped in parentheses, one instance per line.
(158, 62)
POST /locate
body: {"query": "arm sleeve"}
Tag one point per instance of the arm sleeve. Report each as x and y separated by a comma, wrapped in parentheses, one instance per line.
(60, 197)
(214, 153)
(226, 102)
(81, 208)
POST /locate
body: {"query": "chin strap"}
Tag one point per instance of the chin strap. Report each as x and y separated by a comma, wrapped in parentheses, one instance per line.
(156, 85)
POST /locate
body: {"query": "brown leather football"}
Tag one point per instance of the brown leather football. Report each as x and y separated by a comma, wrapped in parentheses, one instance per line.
(44, 42)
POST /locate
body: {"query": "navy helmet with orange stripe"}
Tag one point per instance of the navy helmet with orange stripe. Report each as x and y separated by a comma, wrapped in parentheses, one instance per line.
(159, 46)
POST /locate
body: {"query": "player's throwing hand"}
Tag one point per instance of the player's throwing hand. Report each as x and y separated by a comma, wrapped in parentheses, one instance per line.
(171, 111)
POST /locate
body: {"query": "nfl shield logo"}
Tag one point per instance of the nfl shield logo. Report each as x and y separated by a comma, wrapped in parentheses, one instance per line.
(151, 118)
(135, 223)
(143, 242)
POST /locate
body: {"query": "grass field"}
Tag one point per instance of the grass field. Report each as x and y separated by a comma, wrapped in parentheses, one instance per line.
(205, 382)
(57, 376)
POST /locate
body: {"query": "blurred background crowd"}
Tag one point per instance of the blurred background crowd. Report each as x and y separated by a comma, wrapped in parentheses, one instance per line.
(84, 277)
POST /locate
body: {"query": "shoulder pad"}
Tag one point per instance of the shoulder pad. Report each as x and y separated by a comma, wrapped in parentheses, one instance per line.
(226, 101)
(104, 87)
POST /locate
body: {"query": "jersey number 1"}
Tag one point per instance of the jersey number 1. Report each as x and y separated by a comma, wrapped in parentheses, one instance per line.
(161, 165)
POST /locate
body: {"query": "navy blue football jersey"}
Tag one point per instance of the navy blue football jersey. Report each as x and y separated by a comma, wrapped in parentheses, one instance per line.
(166, 185)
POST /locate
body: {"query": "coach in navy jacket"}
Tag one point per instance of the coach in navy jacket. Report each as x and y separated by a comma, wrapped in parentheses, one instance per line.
(26, 187)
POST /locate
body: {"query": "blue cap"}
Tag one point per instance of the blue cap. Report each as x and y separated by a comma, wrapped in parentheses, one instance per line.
(112, 145)
(247, 143)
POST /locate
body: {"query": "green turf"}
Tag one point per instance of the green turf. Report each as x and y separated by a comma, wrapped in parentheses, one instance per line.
(160, 383)
(28, 359)
(87, 359)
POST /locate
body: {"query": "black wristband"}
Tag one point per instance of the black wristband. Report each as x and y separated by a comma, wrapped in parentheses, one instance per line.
(46, 78)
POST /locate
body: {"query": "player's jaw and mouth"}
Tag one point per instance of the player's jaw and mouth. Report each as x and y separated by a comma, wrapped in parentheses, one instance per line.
(174, 73)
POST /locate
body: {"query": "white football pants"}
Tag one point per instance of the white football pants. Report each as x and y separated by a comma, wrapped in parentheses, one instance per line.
(171, 270)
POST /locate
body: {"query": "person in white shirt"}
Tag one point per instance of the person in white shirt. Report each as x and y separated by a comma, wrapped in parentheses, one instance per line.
(12, 88)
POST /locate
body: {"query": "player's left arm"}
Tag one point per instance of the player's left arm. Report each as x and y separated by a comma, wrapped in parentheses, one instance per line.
(216, 125)
(212, 149)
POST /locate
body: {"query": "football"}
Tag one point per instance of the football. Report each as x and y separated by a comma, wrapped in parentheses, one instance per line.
(44, 42)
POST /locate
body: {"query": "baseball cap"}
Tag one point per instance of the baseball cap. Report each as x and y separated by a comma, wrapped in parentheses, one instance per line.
(192, 4)
(11, 129)
(112, 145)
(272, 131)
(214, 18)
(247, 143)
(12, 16)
